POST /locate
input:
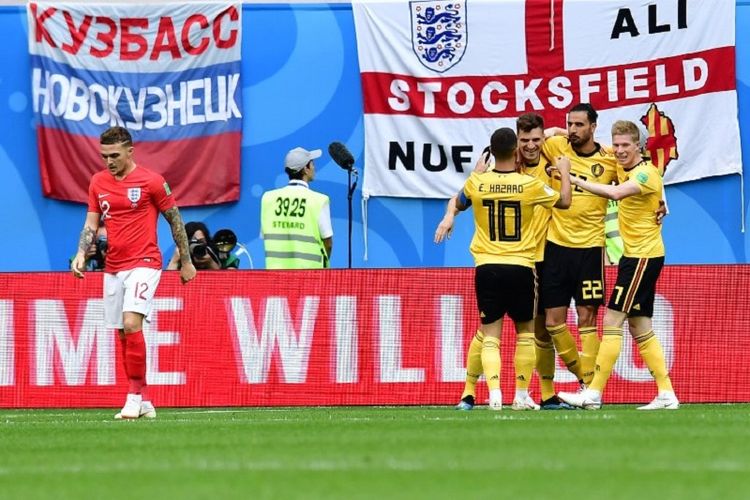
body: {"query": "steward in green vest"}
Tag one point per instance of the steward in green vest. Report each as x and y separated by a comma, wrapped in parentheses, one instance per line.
(295, 221)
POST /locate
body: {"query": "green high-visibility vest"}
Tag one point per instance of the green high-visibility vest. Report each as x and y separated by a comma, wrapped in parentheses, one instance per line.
(614, 244)
(289, 223)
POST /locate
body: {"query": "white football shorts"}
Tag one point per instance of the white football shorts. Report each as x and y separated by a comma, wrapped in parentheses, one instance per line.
(129, 291)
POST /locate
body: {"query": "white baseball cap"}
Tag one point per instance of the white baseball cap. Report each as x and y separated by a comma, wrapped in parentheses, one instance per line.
(298, 158)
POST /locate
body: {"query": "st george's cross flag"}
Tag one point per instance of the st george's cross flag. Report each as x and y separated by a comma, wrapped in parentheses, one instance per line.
(439, 77)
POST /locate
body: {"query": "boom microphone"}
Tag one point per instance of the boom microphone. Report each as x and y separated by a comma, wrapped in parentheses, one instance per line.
(341, 155)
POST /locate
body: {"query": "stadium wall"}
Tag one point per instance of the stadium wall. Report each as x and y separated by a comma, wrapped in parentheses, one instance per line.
(338, 337)
(301, 86)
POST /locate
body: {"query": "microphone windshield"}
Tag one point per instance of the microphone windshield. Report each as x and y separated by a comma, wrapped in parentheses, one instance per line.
(341, 155)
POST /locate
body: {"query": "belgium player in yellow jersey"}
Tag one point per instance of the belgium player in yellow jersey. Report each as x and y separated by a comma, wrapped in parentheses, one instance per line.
(639, 192)
(574, 255)
(504, 247)
(531, 139)
(531, 135)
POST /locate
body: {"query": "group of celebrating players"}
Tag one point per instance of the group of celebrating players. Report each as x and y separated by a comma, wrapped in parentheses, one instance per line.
(539, 211)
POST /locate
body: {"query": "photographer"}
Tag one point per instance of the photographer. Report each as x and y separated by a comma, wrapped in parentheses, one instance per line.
(96, 253)
(224, 242)
(202, 251)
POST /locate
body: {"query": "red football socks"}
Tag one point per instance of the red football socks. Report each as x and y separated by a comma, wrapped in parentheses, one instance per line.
(135, 361)
(124, 349)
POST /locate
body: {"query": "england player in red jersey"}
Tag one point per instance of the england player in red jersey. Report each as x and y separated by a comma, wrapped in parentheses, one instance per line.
(128, 198)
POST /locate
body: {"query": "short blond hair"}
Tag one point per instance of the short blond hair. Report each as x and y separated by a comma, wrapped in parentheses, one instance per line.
(625, 127)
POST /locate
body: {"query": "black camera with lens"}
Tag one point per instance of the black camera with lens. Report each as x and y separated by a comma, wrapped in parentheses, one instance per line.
(198, 248)
(96, 262)
(202, 253)
(101, 245)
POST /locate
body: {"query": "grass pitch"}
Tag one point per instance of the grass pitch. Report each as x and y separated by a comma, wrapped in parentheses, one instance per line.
(700, 451)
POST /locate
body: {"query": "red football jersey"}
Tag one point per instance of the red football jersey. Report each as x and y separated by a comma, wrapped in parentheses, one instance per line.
(130, 210)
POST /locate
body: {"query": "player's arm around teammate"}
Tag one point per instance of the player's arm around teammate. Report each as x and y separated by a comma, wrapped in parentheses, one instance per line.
(633, 296)
(566, 195)
(445, 226)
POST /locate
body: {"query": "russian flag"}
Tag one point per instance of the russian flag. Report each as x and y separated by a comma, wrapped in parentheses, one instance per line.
(169, 73)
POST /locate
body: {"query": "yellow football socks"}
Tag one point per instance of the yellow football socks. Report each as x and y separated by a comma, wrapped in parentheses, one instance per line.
(491, 362)
(589, 350)
(566, 348)
(653, 356)
(524, 360)
(609, 351)
(473, 364)
(545, 367)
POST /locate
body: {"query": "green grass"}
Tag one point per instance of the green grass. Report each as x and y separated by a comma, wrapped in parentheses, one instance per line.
(700, 451)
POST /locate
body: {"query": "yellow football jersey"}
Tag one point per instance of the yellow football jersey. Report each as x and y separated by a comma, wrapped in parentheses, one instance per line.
(581, 225)
(503, 205)
(640, 233)
(542, 214)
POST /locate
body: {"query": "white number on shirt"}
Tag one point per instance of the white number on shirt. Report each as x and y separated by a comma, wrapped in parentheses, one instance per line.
(104, 206)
